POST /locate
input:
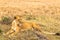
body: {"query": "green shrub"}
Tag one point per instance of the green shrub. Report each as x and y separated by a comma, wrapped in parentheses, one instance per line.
(0, 31)
(6, 20)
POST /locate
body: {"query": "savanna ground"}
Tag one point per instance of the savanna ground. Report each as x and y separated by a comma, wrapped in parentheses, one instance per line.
(47, 16)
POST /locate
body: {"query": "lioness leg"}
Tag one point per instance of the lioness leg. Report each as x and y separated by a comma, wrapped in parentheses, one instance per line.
(9, 32)
(15, 32)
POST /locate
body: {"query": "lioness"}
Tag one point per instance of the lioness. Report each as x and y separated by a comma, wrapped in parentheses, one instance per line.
(20, 25)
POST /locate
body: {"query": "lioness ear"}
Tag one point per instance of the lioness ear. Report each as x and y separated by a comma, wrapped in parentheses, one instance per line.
(15, 17)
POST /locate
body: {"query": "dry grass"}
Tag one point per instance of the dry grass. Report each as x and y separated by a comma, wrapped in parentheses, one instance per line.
(47, 16)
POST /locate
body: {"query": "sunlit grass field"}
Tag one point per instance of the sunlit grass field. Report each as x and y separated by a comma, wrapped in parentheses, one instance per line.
(47, 17)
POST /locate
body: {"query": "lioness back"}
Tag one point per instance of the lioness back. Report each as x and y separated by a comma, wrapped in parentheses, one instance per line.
(26, 25)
